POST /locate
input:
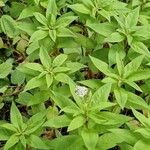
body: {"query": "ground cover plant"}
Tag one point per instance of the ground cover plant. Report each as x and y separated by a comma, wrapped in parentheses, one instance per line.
(74, 75)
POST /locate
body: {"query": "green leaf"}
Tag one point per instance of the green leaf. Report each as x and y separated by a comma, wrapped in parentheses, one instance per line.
(132, 18)
(121, 96)
(61, 69)
(17, 77)
(104, 29)
(139, 75)
(58, 122)
(9, 126)
(5, 69)
(49, 80)
(38, 35)
(34, 83)
(102, 94)
(76, 123)
(134, 85)
(108, 140)
(64, 21)
(11, 142)
(90, 139)
(57, 97)
(15, 116)
(120, 65)
(140, 48)
(126, 135)
(34, 66)
(45, 58)
(40, 18)
(72, 87)
(133, 65)
(74, 66)
(80, 8)
(136, 101)
(61, 77)
(65, 32)
(4, 135)
(28, 12)
(36, 142)
(115, 37)
(59, 60)
(145, 121)
(141, 144)
(51, 8)
(8, 26)
(52, 34)
(100, 65)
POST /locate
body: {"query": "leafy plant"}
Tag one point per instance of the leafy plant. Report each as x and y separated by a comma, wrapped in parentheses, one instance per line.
(74, 74)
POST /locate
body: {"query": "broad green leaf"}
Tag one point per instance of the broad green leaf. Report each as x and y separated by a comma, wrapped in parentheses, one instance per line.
(8, 26)
(121, 97)
(90, 138)
(34, 66)
(15, 116)
(74, 66)
(62, 101)
(38, 35)
(35, 122)
(36, 142)
(34, 83)
(76, 97)
(104, 29)
(108, 140)
(140, 48)
(120, 65)
(64, 21)
(51, 8)
(139, 75)
(145, 121)
(27, 27)
(45, 58)
(61, 69)
(141, 144)
(65, 32)
(52, 34)
(80, 8)
(133, 65)
(102, 94)
(136, 102)
(115, 37)
(125, 134)
(134, 85)
(132, 18)
(76, 123)
(144, 132)
(68, 142)
(100, 65)
(27, 12)
(11, 142)
(40, 18)
(59, 60)
(5, 69)
(62, 77)
(9, 126)
(4, 135)
(49, 80)
(58, 122)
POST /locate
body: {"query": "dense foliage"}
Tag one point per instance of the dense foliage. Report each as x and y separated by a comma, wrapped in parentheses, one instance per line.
(74, 75)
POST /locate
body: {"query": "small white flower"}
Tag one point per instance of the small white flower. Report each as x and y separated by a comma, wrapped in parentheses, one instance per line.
(81, 90)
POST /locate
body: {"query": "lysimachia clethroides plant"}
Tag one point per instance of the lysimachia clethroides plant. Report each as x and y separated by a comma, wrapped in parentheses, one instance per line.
(49, 71)
(122, 75)
(85, 115)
